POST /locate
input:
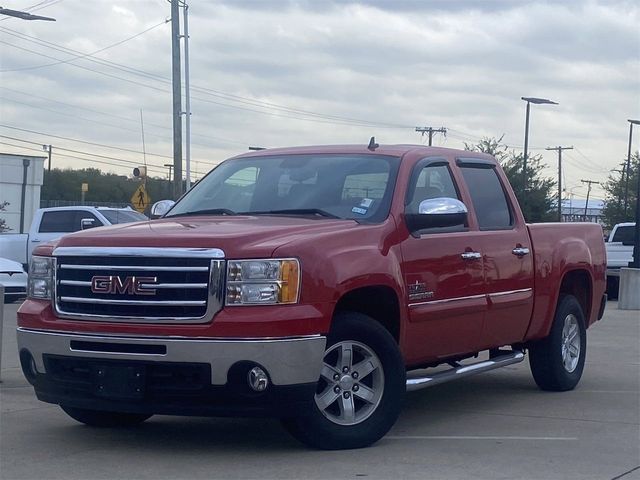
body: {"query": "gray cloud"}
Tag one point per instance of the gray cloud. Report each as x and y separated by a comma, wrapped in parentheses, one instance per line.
(463, 65)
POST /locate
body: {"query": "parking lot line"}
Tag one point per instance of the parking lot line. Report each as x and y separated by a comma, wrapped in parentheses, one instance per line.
(473, 437)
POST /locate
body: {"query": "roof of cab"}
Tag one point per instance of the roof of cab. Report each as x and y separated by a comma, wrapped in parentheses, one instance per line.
(398, 150)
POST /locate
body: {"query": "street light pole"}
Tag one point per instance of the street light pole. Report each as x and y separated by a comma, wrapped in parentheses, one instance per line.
(177, 99)
(536, 101)
(187, 100)
(628, 166)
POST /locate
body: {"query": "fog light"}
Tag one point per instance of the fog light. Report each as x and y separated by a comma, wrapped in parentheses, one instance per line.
(258, 379)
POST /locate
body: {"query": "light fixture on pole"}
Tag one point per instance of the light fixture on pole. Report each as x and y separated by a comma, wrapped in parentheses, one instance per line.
(536, 101)
(24, 15)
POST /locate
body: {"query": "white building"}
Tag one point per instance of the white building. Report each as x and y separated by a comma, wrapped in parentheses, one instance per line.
(21, 178)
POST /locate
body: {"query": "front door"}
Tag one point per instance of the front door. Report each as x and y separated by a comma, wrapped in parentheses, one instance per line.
(444, 273)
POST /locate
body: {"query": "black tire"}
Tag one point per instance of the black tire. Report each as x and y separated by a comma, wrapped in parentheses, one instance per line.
(551, 371)
(99, 418)
(613, 287)
(369, 337)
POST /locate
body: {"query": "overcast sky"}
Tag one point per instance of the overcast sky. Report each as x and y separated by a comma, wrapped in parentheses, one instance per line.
(280, 73)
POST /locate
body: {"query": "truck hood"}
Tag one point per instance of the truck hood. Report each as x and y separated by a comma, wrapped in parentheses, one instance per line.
(238, 236)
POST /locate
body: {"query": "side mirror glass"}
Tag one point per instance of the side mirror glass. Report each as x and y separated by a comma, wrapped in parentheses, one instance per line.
(160, 208)
(86, 223)
(438, 212)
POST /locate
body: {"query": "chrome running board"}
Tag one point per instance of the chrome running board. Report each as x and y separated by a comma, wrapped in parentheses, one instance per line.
(418, 383)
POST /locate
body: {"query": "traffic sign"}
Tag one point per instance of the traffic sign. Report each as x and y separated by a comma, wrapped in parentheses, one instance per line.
(140, 199)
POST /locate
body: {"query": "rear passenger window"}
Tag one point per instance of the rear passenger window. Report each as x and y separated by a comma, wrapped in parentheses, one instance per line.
(488, 197)
(64, 221)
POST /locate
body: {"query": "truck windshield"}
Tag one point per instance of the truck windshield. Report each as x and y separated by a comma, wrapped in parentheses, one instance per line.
(122, 216)
(347, 186)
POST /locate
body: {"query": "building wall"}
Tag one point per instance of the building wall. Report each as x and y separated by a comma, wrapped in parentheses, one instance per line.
(11, 174)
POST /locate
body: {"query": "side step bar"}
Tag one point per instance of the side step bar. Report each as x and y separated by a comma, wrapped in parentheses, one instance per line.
(418, 383)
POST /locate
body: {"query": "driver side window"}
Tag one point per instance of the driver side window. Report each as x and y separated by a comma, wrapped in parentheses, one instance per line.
(434, 181)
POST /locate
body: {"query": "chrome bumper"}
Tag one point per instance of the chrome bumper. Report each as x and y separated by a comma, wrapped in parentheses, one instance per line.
(288, 361)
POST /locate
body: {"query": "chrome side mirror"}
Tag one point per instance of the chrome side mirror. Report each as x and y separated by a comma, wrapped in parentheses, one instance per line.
(160, 208)
(438, 213)
(86, 223)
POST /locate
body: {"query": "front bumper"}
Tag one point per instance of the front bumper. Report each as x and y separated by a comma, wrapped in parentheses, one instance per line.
(184, 376)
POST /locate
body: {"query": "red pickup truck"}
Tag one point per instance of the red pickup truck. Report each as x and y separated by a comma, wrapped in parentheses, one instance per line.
(315, 284)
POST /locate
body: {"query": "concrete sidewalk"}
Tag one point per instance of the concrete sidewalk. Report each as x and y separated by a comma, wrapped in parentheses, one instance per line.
(496, 425)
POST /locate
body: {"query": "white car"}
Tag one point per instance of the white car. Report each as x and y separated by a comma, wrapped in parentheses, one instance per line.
(14, 280)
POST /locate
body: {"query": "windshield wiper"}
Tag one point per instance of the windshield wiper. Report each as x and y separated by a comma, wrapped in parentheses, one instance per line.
(294, 211)
(209, 211)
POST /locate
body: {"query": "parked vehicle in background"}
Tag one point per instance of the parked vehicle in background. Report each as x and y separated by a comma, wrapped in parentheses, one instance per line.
(313, 284)
(51, 223)
(619, 248)
(14, 279)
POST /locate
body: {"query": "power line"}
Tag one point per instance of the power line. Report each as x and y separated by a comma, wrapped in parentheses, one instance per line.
(127, 163)
(82, 141)
(118, 117)
(298, 114)
(86, 54)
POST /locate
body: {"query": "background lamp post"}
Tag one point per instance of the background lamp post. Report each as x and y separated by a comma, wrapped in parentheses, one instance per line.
(628, 166)
(635, 263)
(536, 101)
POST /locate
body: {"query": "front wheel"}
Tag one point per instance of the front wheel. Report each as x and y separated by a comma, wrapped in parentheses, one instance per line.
(360, 390)
(557, 361)
(99, 418)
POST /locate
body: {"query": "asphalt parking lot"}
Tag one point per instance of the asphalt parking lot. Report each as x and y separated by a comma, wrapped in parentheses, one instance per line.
(497, 425)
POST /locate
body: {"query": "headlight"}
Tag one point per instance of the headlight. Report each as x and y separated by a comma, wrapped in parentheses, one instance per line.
(40, 283)
(262, 282)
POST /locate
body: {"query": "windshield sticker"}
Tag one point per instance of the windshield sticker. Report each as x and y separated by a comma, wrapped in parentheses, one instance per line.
(366, 202)
(358, 210)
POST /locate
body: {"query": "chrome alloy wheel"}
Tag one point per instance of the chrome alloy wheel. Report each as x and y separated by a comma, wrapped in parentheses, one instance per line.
(351, 383)
(570, 343)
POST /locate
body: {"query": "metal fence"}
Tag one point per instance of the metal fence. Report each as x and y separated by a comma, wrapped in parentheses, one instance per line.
(72, 203)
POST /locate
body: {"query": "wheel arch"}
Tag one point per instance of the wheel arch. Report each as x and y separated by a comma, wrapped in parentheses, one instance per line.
(579, 284)
(379, 302)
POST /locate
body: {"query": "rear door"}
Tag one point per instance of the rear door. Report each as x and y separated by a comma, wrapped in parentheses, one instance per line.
(56, 223)
(507, 257)
(443, 271)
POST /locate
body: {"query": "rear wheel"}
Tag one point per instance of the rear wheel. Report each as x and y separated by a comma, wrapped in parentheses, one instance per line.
(99, 418)
(557, 361)
(360, 390)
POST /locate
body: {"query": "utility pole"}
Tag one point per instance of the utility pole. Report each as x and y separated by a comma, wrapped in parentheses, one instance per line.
(187, 100)
(47, 148)
(431, 131)
(169, 166)
(559, 150)
(177, 99)
(586, 205)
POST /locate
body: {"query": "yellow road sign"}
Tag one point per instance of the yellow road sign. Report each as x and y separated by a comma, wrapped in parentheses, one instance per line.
(140, 199)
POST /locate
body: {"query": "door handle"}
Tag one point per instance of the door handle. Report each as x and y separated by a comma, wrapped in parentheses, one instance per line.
(520, 251)
(35, 241)
(471, 255)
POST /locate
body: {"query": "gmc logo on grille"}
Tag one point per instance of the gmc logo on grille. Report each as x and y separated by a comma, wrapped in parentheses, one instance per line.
(113, 284)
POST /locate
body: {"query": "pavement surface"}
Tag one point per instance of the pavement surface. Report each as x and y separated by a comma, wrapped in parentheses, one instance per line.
(496, 425)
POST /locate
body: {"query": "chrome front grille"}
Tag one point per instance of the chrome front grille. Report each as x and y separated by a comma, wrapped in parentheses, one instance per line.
(153, 285)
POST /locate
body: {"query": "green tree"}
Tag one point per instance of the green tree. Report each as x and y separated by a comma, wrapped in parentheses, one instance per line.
(537, 205)
(3, 224)
(65, 185)
(613, 211)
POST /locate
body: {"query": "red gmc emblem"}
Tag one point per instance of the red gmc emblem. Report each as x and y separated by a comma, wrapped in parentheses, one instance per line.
(113, 284)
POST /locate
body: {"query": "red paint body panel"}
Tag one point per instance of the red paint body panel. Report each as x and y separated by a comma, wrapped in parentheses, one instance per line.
(338, 256)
